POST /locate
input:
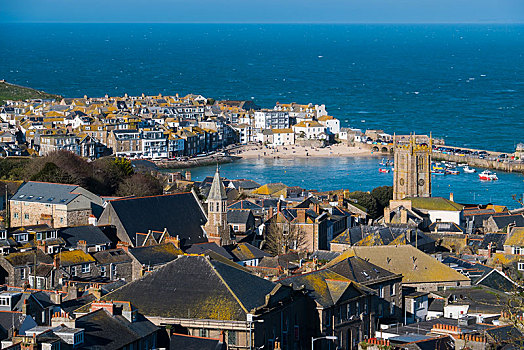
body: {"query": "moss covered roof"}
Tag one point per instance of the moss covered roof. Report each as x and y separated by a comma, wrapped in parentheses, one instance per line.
(414, 265)
(434, 203)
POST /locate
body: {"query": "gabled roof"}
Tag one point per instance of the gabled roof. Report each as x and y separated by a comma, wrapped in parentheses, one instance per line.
(74, 257)
(327, 287)
(180, 213)
(238, 216)
(111, 256)
(516, 238)
(361, 271)
(155, 254)
(104, 331)
(245, 204)
(245, 251)
(414, 265)
(92, 235)
(202, 248)
(197, 287)
(434, 203)
(46, 192)
(496, 239)
(28, 258)
(270, 189)
(502, 221)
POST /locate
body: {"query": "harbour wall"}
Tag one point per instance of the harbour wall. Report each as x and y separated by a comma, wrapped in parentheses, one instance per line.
(508, 166)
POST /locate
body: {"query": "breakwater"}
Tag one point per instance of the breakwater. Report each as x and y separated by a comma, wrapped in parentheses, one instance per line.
(194, 162)
(495, 164)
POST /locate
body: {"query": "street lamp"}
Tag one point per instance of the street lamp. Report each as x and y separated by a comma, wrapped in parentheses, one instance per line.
(329, 337)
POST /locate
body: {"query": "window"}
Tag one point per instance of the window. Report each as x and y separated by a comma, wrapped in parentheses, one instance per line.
(381, 292)
(113, 270)
(393, 289)
(203, 333)
(521, 266)
(15, 215)
(231, 338)
(73, 270)
(517, 250)
(103, 271)
(4, 301)
(22, 274)
(392, 308)
(86, 268)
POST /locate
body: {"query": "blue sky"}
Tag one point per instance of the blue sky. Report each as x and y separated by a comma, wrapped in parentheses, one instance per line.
(264, 11)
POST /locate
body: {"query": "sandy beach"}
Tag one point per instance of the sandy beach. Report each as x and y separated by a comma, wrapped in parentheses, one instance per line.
(338, 150)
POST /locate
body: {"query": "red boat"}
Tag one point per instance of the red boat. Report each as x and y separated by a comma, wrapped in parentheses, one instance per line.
(382, 170)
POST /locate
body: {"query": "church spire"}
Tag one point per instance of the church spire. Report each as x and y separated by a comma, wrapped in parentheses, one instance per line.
(217, 191)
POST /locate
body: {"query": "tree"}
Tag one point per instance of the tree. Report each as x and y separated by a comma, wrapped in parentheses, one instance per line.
(383, 195)
(52, 173)
(140, 185)
(281, 238)
(367, 201)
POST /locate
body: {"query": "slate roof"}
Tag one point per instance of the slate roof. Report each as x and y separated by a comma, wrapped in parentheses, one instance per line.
(196, 287)
(180, 213)
(481, 300)
(366, 235)
(93, 235)
(111, 256)
(238, 216)
(103, 331)
(28, 258)
(245, 251)
(504, 220)
(413, 264)
(361, 271)
(245, 184)
(497, 240)
(217, 191)
(446, 227)
(188, 342)
(202, 248)
(434, 203)
(71, 305)
(155, 254)
(74, 257)
(516, 238)
(45, 192)
(245, 204)
(327, 287)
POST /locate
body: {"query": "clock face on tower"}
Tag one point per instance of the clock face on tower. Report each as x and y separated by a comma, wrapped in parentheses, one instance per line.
(421, 182)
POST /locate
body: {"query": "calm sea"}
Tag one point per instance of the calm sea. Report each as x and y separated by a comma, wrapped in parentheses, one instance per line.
(462, 82)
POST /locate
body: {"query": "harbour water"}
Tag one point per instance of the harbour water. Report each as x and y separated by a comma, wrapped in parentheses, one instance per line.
(462, 82)
(361, 173)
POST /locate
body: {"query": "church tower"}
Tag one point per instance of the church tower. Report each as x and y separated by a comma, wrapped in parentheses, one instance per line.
(216, 227)
(412, 174)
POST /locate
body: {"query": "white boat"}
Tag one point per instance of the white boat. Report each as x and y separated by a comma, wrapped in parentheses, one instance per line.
(469, 170)
(488, 175)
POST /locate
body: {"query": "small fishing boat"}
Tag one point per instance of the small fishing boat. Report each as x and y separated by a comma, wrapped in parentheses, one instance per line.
(384, 162)
(383, 170)
(488, 175)
(452, 172)
(438, 172)
(469, 170)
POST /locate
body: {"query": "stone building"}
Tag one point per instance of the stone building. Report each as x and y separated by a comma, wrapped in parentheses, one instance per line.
(217, 228)
(57, 205)
(412, 174)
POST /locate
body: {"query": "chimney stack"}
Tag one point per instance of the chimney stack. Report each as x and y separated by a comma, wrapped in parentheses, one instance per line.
(451, 197)
(123, 245)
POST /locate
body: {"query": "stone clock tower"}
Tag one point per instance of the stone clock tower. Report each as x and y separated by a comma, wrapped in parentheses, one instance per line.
(412, 175)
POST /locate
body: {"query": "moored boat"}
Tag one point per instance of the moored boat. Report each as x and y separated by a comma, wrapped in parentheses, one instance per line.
(383, 170)
(452, 172)
(488, 175)
(469, 170)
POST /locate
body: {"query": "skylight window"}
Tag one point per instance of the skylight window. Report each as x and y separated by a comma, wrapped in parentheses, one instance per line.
(21, 196)
(39, 197)
(30, 197)
(50, 199)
